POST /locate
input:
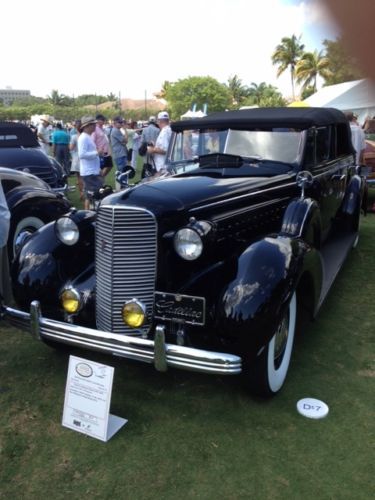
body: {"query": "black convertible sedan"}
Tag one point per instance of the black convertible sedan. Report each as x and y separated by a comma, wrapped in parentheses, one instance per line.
(210, 268)
(20, 150)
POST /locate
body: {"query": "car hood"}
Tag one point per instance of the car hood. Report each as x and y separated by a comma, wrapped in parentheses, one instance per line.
(19, 157)
(184, 193)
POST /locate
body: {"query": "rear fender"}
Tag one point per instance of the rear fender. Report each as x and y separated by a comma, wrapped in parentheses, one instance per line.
(353, 195)
(302, 220)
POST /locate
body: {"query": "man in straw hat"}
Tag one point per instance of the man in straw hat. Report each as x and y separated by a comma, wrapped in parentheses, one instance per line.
(44, 131)
(89, 159)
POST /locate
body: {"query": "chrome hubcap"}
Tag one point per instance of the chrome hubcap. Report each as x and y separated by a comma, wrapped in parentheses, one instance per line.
(281, 338)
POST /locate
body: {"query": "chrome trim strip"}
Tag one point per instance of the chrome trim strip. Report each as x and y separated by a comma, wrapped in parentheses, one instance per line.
(251, 208)
(186, 358)
(242, 196)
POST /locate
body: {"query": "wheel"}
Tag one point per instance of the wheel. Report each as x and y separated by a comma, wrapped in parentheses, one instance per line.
(269, 372)
(23, 228)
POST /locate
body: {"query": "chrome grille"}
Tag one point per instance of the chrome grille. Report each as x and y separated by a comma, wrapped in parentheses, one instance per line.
(44, 172)
(126, 252)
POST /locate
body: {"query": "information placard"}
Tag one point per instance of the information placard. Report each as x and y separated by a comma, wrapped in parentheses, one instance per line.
(87, 399)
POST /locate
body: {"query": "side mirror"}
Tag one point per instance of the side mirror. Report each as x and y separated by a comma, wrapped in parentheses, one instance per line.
(304, 180)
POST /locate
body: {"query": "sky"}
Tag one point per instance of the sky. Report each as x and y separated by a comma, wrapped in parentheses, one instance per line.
(131, 48)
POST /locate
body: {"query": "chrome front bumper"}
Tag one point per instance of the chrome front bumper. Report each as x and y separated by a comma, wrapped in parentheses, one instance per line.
(157, 351)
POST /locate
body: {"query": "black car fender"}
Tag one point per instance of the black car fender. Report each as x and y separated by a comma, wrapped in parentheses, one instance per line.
(302, 220)
(253, 304)
(44, 264)
(353, 195)
(32, 197)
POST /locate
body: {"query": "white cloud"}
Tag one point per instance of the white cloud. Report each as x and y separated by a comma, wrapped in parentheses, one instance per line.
(132, 47)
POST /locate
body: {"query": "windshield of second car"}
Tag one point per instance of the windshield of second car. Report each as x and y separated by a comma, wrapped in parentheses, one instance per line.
(277, 145)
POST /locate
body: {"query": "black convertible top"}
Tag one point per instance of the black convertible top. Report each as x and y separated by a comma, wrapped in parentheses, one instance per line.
(14, 134)
(300, 118)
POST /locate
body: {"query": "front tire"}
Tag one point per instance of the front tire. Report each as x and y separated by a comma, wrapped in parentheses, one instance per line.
(21, 229)
(269, 372)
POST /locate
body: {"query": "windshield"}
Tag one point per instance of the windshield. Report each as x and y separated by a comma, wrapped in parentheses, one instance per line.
(254, 146)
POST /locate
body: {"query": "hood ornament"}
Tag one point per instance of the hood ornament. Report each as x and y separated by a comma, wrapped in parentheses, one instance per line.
(304, 180)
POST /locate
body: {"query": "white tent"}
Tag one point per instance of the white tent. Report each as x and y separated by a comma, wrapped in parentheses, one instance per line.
(193, 114)
(357, 96)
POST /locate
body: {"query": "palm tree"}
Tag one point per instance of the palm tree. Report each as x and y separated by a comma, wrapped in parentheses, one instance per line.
(310, 66)
(286, 54)
(257, 92)
(238, 92)
(58, 99)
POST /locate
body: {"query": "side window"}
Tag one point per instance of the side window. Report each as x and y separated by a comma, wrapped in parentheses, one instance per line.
(309, 160)
(323, 144)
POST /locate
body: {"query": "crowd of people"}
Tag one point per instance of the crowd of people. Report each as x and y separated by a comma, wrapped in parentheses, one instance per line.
(92, 146)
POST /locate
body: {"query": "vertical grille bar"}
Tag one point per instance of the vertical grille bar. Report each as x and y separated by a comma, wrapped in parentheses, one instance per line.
(126, 253)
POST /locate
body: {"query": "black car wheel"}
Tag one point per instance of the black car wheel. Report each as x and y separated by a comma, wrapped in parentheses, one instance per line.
(271, 367)
(21, 229)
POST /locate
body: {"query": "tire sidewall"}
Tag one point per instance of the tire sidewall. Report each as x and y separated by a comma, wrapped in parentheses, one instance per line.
(20, 224)
(276, 377)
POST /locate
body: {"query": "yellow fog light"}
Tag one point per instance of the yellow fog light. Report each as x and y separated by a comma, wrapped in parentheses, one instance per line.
(70, 300)
(134, 313)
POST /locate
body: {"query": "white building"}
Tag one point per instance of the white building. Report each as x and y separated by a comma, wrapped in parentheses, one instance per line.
(8, 95)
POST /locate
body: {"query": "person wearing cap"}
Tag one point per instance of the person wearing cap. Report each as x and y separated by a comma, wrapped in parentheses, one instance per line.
(118, 142)
(43, 133)
(159, 151)
(102, 145)
(151, 132)
(89, 159)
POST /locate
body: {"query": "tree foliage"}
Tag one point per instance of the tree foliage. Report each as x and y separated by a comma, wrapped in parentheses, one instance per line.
(342, 66)
(286, 55)
(238, 92)
(264, 95)
(310, 66)
(197, 90)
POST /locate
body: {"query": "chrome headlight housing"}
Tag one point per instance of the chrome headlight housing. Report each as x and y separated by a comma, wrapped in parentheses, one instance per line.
(188, 243)
(67, 231)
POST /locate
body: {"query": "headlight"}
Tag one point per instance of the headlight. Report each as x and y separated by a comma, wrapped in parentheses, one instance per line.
(70, 300)
(67, 231)
(188, 244)
(134, 313)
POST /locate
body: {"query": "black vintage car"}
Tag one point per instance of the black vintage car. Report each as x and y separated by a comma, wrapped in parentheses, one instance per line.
(206, 269)
(32, 204)
(20, 150)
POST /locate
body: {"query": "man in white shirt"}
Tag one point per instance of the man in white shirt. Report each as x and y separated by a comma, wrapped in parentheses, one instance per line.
(358, 138)
(89, 159)
(44, 132)
(159, 151)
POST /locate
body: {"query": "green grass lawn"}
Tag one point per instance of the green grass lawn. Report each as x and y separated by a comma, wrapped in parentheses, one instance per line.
(203, 437)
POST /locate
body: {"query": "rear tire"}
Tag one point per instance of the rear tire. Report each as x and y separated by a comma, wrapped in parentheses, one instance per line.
(269, 372)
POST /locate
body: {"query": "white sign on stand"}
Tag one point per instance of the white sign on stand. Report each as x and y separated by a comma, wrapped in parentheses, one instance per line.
(87, 399)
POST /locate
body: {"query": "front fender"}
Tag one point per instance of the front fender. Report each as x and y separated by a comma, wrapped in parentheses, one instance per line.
(253, 303)
(44, 264)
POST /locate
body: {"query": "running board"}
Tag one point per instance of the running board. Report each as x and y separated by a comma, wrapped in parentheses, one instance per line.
(334, 254)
